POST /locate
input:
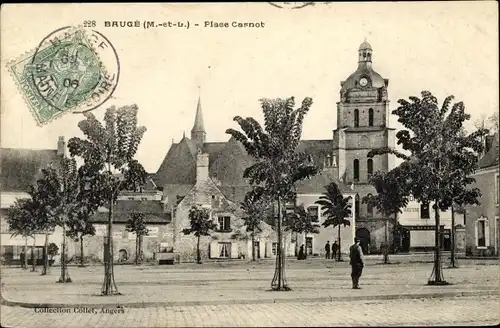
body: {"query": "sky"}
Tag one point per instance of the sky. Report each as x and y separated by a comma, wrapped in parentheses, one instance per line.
(448, 48)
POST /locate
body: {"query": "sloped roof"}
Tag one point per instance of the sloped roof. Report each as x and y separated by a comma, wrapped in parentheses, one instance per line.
(179, 165)
(153, 211)
(20, 168)
(170, 192)
(317, 183)
(491, 157)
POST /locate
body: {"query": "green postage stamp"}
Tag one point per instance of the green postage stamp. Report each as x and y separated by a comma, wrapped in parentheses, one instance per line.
(72, 70)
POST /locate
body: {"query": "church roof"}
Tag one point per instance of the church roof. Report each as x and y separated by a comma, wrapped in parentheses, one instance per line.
(317, 183)
(491, 157)
(227, 161)
(198, 121)
(20, 168)
(365, 46)
(364, 70)
(377, 81)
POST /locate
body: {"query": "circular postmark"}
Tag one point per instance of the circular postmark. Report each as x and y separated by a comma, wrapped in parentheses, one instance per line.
(74, 69)
(291, 5)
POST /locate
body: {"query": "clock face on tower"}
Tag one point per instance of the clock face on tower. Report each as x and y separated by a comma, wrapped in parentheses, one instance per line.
(363, 82)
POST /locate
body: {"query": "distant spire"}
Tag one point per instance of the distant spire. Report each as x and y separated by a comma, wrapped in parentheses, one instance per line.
(183, 134)
(198, 121)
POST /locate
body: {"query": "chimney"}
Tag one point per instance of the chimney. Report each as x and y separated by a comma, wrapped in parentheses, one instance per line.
(61, 147)
(201, 166)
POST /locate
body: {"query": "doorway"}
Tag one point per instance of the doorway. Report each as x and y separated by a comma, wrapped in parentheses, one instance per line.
(309, 245)
(256, 247)
(446, 240)
(364, 239)
(405, 240)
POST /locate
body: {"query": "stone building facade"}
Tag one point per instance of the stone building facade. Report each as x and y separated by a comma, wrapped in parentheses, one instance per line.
(483, 221)
(20, 168)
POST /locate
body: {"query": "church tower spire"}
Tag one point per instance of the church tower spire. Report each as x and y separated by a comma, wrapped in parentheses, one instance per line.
(198, 133)
(365, 54)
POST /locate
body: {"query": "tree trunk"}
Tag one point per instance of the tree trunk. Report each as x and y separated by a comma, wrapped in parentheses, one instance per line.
(64, 270)
(339, 250)
(394, 232)
(279, 281)
(136, 249)
(296, 244)
(198, 255)
(33, 260)
(25, 253)
(253, 246)
(452, 237)
(437, 274)
(109, 286)
(386, 248)
(82, 264)
(46, 256)
(140, 249)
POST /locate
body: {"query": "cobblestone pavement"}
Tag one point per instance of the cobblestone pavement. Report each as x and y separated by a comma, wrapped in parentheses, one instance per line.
(450, 311)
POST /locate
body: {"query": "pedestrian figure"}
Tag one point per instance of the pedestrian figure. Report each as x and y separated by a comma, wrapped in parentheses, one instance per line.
(356, 262)
(302, 254)
(22, 258)
(327, 250)
(335, 249)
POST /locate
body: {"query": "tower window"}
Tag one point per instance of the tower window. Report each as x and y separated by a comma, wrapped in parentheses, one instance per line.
(369, 165)
(356, 170)
(356, 118)
(369, 208)
(356, 206)
(370, 117)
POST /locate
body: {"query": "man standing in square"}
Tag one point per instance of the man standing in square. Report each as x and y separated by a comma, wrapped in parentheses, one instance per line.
(327, 250)
(335, 249)
(356, 262)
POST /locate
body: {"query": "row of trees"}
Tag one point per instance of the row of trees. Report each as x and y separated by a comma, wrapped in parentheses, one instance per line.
(67, 195)
(439, 160)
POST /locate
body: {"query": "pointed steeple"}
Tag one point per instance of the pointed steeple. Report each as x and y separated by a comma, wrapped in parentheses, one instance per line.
(198, 120)
(198, 133)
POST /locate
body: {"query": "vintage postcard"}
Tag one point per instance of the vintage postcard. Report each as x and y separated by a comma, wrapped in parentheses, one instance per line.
(249, 164)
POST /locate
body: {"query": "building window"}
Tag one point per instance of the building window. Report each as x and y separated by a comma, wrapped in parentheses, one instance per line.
(356, 118)
(274, 248)
(313, 212)
(224, 223)
(369, 165)
(224, 250)
(424, 211)
(370, 117)
(369, 207)
(482, 232)
(356, 206)
(497, 185)
(356, 170)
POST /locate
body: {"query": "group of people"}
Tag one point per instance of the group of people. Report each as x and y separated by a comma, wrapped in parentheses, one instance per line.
(334, 249)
